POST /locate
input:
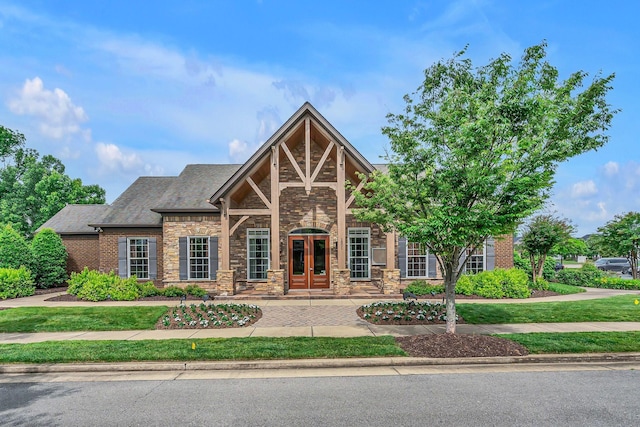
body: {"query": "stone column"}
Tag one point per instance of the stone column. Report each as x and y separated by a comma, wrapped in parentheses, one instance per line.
(341, 281)
(274, 284)
(390, 281)
(226, 282)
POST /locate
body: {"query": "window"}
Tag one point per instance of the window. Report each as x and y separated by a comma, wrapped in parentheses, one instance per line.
(475, 260)
(416, 260)
(257, 253)
(138, 257)
(198, 257)
(359, 259)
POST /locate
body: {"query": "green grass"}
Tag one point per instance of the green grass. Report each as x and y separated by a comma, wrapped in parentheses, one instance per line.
(206, 349)
(578, 342)
(565, 289)
(619, 308)
(63, 319)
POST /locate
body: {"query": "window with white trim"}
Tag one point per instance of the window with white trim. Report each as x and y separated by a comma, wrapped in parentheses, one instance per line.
(198, 257)
(138, 257)
(475, 260)
(417, 260)
(360, 253)
(257, 253)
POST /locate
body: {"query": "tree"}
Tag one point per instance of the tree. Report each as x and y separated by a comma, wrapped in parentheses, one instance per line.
(541, 235)
(33, 189)
(621, 237)
(49, 258)
(570, 247)
(475, 152)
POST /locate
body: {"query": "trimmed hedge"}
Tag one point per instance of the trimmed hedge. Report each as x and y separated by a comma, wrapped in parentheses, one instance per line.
(49, 259)
(588, 276)
(14, 249)
(498, 283)
(94, 286)
(422, 288)
(16, 283)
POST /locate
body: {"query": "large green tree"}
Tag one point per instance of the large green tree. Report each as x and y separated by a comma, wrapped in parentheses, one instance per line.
(34, 188)
(541, 235)
(570, 247)
(475, 152)
(621, 237)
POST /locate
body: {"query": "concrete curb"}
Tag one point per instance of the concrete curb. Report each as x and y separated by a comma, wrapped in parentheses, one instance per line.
(580, 358)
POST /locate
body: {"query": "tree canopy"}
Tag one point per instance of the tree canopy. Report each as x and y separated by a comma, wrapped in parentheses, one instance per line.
(621, 237)
(33, 189)
(541, 235)
(476, 149)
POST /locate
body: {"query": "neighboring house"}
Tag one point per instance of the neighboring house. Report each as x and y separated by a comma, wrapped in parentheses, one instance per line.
(280, 222)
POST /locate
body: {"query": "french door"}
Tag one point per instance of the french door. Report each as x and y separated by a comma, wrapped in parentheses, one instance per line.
(308, 261)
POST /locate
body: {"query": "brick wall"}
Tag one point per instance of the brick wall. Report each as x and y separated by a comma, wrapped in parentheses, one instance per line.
(175, 226)
(109, 247)
(83, 250)
(504, 251)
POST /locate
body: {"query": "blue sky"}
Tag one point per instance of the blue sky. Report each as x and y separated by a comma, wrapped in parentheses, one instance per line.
(118, 89)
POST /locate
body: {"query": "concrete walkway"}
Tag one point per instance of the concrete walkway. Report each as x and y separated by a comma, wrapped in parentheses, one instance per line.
(312, 318)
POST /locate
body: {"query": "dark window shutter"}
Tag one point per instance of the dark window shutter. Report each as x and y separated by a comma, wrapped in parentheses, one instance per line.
(182, 254)
(213, 257)
(433, 265)
(490, 254)
(402, 256)
(122, 257)
(153, 258)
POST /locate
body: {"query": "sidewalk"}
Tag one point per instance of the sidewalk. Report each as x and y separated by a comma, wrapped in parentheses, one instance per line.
(312, 318)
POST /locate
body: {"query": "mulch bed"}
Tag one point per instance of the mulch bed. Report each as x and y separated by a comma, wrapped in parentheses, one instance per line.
(459, 345)
(73, 298)
(403, 321)
(228, 310)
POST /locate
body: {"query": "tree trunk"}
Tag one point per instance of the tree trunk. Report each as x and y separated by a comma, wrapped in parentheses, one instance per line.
(532, 260)
(450, 293)
(541, 264)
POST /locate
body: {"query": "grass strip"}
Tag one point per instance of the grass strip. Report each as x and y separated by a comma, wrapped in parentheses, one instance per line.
(563, 289)
(65, 319)
(258, 348)
(578, 342)
(620, 308)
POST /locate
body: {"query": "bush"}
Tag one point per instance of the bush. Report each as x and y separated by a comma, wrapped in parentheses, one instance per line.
(541, 284)
(173, 291)
(588, 276)
(498, 283)
(94, 286)
(14, 250)
(148, 289)
(49, 259)
(548, 269)
(420, 288)
(195, 290)
(16, 283)
(610, 282)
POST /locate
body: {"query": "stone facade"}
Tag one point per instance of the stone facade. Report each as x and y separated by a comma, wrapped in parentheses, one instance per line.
(390, 281)
(175, 226)
(341, 281)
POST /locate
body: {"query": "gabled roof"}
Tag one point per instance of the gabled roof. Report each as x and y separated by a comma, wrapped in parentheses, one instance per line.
(294, 120)
(133, 207)
(74, 219)
(189, 191)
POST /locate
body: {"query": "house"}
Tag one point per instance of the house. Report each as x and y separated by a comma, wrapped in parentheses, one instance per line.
(278, 223)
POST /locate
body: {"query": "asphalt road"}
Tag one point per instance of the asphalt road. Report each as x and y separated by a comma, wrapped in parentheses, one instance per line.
(561, 398)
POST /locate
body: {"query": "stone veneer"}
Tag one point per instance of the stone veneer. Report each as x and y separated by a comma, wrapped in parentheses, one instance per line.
(390, 281)
(182, 225)
(226, 282)
(274, 284)
(341, 281)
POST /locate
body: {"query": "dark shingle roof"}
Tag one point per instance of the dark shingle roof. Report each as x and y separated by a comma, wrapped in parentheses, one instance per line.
(133, 207)
(190, 190)
(73, 219)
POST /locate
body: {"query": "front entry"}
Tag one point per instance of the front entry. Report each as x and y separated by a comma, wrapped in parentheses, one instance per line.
(308, 261)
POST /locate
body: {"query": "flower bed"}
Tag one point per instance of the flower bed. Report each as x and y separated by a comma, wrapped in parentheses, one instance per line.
(210, 316)
(405, 313)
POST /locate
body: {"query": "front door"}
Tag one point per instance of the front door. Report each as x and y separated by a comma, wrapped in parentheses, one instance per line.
(308, 261)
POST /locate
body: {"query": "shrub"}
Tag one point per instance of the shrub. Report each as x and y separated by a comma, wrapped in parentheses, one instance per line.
(515, 283)
(195, 290)
(14, 250)
(16, 283)
(588, 276)
(498, 283)
(465, 285)
(420, 287)
(541, 284)
(49, 259)
(173, 291)
(548, 269)
(610, 282)
(94, 286)
(148, 289)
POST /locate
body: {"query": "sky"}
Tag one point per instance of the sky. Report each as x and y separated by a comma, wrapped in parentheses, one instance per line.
(122, 89)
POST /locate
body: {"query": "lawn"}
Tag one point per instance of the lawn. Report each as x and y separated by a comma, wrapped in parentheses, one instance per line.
(578, 342)
(621, 308)
(257, 348)
(64, 319)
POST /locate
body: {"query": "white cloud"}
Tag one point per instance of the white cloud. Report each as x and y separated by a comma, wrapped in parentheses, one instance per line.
(112, 158)
(611, 168)
(239, 150)
(583, 189)
(59, 116)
